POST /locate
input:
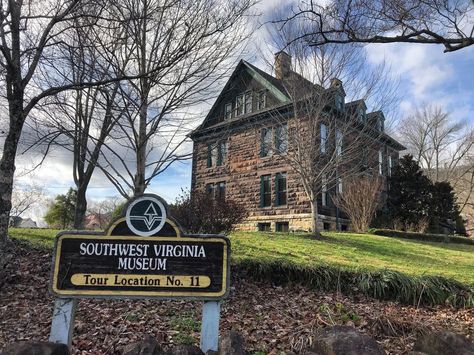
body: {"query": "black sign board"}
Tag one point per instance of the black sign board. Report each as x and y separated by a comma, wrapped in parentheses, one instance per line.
(157, 263)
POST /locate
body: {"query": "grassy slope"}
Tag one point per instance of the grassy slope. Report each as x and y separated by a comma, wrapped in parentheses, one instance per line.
(361, 251)
(347, 250)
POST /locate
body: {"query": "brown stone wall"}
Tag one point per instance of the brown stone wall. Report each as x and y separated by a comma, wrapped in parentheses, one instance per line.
(242, 171)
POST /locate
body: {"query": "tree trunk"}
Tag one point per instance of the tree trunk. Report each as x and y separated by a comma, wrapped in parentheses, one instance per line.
(139, 184)
(81, 207)
(7, 170)
(314, 218)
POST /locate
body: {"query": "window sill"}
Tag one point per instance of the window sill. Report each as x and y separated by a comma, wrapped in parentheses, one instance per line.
(274, 207)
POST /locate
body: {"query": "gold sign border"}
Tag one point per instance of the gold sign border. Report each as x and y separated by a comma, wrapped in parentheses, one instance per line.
(127, 294)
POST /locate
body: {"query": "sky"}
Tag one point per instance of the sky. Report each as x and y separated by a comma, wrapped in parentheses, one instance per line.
(426, 75)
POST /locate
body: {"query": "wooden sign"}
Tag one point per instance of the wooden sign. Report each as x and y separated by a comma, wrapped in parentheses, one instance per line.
(145, 267)
(142, 255)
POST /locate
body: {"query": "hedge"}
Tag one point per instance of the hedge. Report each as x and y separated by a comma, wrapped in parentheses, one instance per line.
(426, 237)
(382, 284)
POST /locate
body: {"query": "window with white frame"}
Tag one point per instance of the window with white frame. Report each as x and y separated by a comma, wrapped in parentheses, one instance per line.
(222, 153)
(228, 111)
(239, 105)
(380, 124)
(324, 137)
(266, 142)
(338, 142)
(324, 190)
(361, 114)
(390, 165)
(339, 102)
(261, 100)
(248, 102)
(281, 138)
(380, 162)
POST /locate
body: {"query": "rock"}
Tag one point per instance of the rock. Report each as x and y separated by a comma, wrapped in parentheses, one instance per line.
(148, 346)
(35, 348)
(186, 350)
(343, 340)
(232, 344)
(444, 343)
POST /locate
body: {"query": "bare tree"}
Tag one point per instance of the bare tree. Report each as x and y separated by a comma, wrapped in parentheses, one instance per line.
(103, 210)
(81, 120)
(445, 22)
(360, 200)
(188, 47)
(331, 138)
(31, 33)
(25, 197)
(443, 147)
(28, 30)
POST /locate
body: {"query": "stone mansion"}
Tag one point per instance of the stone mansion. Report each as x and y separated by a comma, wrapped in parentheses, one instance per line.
(232, 152)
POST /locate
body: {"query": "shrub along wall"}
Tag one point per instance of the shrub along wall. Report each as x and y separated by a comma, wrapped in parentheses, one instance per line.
(384, 284)
(441, 238)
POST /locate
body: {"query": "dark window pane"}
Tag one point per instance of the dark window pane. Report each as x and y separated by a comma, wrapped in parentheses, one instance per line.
(261, 100)
(281, 189)
(221, 190)
(266, 193)
(282, 227)
(222, 153)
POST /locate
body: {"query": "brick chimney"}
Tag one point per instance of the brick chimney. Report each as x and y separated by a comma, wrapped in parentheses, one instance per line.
(336, 83)
(282, 64)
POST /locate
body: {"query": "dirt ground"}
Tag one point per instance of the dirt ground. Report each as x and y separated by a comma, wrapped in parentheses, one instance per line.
(272, 319)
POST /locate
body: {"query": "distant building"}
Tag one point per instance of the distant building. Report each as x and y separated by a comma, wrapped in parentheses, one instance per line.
(96, 221)
(18, 222)
(230, 153)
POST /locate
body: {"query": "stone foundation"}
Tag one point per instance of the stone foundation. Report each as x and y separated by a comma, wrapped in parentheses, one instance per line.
(296, 222)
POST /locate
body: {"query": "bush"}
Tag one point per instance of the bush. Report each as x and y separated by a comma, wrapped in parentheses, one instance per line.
(201, 213)
(426, 237)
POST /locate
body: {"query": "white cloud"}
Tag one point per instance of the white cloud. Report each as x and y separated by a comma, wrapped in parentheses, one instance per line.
(428, 75)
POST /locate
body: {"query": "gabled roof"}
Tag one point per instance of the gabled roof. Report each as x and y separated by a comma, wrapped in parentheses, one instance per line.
(280, 89)
(269, 82)
(375, 114)
(355, 103)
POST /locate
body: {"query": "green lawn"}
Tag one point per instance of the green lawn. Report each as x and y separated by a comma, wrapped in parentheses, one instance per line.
(360, 251)
(346, 250)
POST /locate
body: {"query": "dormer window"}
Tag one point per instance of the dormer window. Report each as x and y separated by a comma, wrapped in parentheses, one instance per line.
(239, 105)
(380, 124)
(248, 102)
(261, 100)
(361, 114)
(228, 111)
(339, 102)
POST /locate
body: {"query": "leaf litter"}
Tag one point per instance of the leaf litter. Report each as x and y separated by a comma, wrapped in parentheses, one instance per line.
(273, 319)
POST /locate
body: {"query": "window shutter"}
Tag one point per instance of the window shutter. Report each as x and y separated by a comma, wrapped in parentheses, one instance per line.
(209, 155)
(219, 153)
(262, 190)
(277, 185)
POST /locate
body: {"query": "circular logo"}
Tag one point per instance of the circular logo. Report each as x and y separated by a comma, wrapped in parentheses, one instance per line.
(145, 216)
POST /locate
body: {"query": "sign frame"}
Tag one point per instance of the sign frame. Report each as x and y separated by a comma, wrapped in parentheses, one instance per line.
(192, 296)
(62, 324)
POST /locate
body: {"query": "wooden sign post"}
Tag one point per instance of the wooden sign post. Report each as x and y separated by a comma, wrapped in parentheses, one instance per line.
(143, 255)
